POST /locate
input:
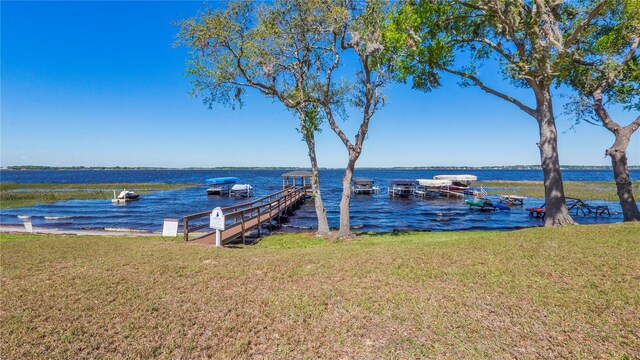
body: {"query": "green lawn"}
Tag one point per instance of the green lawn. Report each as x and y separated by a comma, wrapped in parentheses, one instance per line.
(571, 292)
(49, 193)
(586, 190)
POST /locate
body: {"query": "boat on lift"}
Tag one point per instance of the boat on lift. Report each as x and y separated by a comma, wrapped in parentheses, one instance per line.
(458, 182)
(431, 187)
(364, 186)
(221, 185)
(241, 190)
(402, 187)
(459, 185)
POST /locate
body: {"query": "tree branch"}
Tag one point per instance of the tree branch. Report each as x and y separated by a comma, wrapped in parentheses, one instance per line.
(369, 105)
(610, 76)
(578, 31)
(492, 45)
(633, 126)
(489, 90)
(603, 114)
(336, 129)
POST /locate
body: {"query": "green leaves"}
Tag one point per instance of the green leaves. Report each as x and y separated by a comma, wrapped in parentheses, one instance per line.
(603, 67)
(280, 49)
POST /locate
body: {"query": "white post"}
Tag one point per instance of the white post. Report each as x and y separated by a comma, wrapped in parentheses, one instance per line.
(218, 238)
(28, 227)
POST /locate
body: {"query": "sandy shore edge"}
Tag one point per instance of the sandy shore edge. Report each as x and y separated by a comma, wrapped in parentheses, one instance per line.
(42, 230)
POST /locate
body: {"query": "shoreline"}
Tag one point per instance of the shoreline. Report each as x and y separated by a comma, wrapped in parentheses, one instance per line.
(17, 229)
(40, 230)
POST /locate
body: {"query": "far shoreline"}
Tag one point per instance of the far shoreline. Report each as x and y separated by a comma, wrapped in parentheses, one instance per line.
(249, 168)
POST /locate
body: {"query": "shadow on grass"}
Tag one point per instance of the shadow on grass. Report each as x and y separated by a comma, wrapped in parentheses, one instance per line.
(395, 232)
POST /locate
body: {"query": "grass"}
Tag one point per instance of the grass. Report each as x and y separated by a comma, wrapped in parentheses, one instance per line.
(586, 190)
(49, 193)
(571, 292)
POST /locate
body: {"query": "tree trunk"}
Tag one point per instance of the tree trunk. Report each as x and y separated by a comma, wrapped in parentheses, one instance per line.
(556, 210)
(345, 202)
(321, 212)
(618, 154)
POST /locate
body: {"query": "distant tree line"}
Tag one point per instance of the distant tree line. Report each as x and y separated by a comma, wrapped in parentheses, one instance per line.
(300, 53)
(288, 168)
(38, 167)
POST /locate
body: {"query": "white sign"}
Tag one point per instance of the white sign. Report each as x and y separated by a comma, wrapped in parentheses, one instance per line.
(170, 227)
(216, 219)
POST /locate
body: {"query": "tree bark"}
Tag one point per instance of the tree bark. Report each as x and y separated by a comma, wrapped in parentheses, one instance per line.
(556, 210)
(321, 212)
(345, 202)
(618, 154)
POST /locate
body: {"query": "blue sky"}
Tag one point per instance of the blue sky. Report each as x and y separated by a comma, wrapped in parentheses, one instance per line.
(100, 84)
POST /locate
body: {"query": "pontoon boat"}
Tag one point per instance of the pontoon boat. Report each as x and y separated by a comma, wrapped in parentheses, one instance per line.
(220, 185)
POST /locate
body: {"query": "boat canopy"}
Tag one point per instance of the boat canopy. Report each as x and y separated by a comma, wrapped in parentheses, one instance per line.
(297, 174)
(456, 177)
(434, 182)
(363, 181)
(222, 180)
(410, 182)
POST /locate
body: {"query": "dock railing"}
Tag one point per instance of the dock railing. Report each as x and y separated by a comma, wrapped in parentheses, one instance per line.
(247, 216)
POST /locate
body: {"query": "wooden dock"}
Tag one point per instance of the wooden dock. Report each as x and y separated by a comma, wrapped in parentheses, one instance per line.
(243, 218)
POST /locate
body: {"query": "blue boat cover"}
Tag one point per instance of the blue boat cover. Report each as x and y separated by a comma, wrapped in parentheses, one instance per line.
(222, 180)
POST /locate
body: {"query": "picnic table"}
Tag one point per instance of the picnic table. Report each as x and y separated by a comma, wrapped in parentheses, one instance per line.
(573, 204)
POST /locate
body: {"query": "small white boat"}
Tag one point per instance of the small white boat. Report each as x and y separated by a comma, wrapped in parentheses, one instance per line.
(241, 190)
(124, 196)
(364, 186)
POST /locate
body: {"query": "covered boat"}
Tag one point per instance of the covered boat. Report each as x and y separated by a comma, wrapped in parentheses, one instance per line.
(220, 185)
(434, 183)
(364, 186)
(430, 187)
(459, 184)
(402, 187)
(458, 180)
(241, 190)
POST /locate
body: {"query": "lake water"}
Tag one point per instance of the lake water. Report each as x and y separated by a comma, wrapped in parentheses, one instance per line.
(378, 213)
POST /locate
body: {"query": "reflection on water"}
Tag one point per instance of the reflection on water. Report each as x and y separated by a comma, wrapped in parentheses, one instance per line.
(378, 213)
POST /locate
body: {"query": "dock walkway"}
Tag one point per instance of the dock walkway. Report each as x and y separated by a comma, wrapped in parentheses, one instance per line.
(242, 218)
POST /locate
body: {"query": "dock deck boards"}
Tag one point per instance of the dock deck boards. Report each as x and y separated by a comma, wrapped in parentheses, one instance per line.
(246, 217)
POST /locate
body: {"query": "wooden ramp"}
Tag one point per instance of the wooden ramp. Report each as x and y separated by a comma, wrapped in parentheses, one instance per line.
(242, 218)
